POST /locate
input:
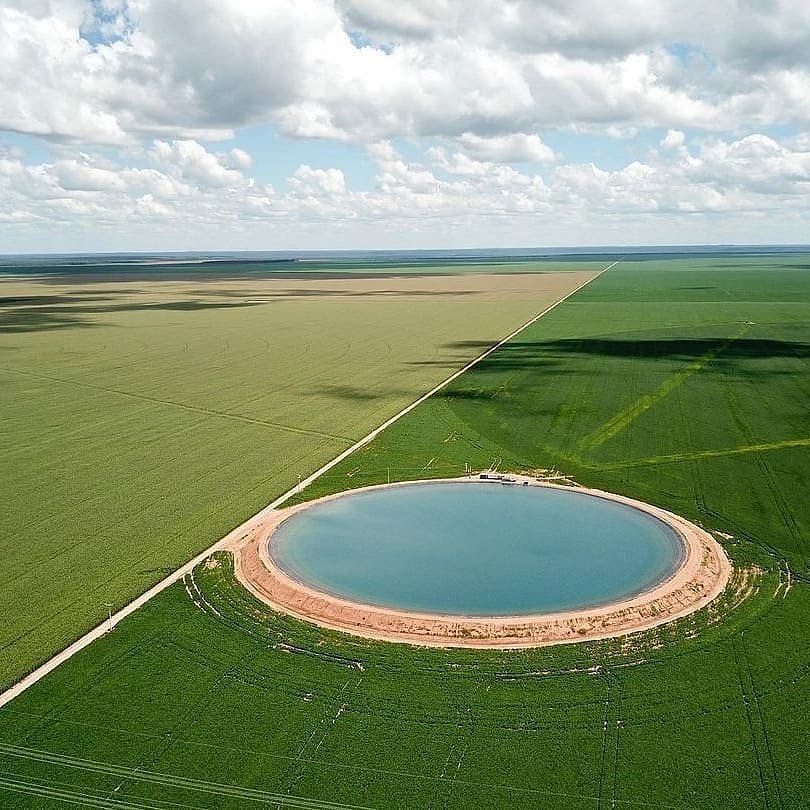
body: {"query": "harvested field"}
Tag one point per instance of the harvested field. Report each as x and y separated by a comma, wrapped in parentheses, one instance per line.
(144, 419)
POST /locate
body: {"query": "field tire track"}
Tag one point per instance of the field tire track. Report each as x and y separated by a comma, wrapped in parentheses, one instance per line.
(624, 418)
(756, 730)
(165, 780)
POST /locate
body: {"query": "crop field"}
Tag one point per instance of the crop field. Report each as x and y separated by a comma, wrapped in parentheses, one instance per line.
(144, 418)
(681, 382)
(155, 268)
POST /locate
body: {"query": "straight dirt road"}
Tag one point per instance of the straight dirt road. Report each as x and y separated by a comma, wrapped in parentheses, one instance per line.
(255, 521)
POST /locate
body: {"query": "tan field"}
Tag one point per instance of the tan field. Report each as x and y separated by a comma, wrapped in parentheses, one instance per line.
(145, 420)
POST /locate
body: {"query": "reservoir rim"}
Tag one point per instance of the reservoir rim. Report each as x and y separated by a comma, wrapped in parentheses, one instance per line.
(704, 575)
(665, 519)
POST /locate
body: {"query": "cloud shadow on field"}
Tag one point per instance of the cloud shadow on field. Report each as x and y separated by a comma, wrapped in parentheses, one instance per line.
(472, 344)
(472, 394)
(49, 300)
(355, 394)
(40, 320)
(503, 362)
(558, 356)
(760, 266)
(677, 348)
(325, 292)
(332, 293)
(33, 318)
(213, 275)
(41, 313)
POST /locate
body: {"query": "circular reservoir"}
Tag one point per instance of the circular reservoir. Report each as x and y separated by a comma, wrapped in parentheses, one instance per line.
(477, 549)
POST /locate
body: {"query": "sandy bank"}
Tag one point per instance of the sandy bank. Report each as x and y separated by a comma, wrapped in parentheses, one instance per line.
(702, 575)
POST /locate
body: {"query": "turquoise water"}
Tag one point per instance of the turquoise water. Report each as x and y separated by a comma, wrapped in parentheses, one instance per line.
(477, 549)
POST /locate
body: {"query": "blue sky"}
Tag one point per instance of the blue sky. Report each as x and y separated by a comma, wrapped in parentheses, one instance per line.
(359, 123)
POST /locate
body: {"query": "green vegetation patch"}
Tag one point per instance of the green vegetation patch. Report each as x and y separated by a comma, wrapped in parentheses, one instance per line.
(681, 385)
(205, 698)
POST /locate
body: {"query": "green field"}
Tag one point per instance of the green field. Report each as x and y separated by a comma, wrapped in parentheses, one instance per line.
(684, 383)
(142, 419)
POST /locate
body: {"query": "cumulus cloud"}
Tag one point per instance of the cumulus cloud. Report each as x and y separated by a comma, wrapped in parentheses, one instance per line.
(517, 147)
(364, 70)
(750, 33)
(477, 90)
(673, 139)
(236, 159)
(190, 189)
(81, 175)
(318, 181)
(190, 161)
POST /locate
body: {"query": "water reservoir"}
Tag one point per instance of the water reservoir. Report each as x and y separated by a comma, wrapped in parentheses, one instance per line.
(477, 549)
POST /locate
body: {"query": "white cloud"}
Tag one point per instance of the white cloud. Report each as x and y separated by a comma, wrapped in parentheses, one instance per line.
(363, 70)
(417, 19)
(81, 175)
(190, 161)
(190, 187)
(459, 163)
(674, 139)
(515, 148)
(156, 183)
(478, 90)
(50, 82)
(237, 159)
(318, 181)
(150, 208)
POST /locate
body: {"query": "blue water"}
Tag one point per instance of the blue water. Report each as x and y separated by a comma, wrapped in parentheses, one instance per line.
(477, 549)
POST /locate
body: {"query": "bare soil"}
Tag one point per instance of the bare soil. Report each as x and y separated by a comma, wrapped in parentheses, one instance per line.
(702, 576)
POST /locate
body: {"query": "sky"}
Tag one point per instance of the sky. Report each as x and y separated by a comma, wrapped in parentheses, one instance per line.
(207, 125)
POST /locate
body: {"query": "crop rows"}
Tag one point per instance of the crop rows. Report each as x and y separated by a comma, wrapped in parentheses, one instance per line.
(206, 684)
(142, 423)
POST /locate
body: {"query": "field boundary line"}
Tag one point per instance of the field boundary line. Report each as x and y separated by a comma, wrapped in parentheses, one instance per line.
(253, 522)
(693, 455)
(624, 418)
(192, 408)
